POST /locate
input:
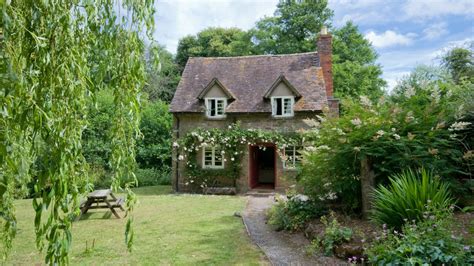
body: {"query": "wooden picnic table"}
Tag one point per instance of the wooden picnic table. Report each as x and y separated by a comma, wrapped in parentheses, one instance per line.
(99, 199)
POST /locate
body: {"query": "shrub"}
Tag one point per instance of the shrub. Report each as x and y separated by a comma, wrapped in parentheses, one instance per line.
(293, 213)
(153, 176)
(428, 242)
(406, 197)
(145, 176)
(414, 127)
(334, 234)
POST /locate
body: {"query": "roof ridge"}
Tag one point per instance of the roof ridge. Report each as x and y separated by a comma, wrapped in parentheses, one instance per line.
(250, 56)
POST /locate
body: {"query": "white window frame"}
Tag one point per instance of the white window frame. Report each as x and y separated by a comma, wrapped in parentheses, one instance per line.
(283, 113)
(208, 107)
(294, 163)
(213, 158)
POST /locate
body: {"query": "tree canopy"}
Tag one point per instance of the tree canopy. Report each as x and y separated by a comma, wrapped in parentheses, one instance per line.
(162, 84)
(460, 63)
(355, 72)
(213, 42)
(292, 29)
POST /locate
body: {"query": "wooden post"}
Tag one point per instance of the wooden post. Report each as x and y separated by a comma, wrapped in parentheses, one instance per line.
(367, 181)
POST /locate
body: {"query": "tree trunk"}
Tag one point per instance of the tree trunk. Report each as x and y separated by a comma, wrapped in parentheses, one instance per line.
(367, 180)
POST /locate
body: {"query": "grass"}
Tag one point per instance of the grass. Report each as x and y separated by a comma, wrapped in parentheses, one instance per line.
(170, 229)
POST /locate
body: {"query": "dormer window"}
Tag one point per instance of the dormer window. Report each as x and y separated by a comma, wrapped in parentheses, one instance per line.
(282, 106)
(215, 107)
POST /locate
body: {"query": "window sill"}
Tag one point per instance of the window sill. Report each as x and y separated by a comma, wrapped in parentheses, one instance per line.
(283, 117)
(212, 168)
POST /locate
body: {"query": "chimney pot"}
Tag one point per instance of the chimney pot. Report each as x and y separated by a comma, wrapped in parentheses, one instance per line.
(324, 30)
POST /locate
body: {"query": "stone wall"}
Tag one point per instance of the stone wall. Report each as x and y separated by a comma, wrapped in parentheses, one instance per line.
(186, 122)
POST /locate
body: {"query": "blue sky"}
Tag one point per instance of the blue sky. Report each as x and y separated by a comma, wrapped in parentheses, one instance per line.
(404, 33)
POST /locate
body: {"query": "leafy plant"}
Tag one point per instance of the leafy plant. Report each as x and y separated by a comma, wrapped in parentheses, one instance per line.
(428, 242)
(293, 213)
(54, 57)
(406, 197)
(416, 126)
(334, 234)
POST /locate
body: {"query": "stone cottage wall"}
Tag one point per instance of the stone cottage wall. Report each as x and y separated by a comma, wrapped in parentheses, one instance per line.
(186, 122)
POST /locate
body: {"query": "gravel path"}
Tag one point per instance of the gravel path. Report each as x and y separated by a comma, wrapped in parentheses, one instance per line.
(281, 248)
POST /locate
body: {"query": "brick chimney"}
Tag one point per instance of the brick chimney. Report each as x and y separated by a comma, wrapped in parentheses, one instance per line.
(324, 44)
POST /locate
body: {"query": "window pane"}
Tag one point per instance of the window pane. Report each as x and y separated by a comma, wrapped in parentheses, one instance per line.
(287, 106)
(278, 106)
(290, 157)
(218, 157)
(220, 107)
(207, 156)
(298, 155)
(213, 107)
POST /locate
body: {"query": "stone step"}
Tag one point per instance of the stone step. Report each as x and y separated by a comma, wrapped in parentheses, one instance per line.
(261, 193)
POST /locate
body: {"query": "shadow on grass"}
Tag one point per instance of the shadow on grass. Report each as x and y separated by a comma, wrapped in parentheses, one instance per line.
(100, 215)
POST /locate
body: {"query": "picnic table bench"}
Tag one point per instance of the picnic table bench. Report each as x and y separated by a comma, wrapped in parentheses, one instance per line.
(99, 199)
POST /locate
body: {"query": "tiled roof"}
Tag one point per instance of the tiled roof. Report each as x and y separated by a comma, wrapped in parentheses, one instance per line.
(248, 78)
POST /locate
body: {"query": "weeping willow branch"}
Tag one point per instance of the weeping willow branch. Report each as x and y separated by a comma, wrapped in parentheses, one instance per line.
(55, 55)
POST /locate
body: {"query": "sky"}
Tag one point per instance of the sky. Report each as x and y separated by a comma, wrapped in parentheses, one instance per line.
(405, 33)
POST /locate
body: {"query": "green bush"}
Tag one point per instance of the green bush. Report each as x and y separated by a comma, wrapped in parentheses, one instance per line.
(153, 176)
(428, 242)
(406, 197)
(145, 176)
(334, 234)
(416, 126)
(154, 149)
(293, 213)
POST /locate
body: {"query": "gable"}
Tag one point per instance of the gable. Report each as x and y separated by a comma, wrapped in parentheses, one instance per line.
(215, 92)
(281, 90)
(215, 89)
(282, 87)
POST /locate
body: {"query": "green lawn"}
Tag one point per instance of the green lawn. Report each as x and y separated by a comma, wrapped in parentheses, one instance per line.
(170, 229)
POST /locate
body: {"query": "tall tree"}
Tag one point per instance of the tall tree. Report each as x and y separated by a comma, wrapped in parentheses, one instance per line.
(162, 84)
(213, 42)
(354, 69)
(460, 62)
(54, 57)
(293, 28)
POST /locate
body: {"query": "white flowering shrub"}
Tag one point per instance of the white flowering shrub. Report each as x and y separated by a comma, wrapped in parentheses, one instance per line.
(408, 130)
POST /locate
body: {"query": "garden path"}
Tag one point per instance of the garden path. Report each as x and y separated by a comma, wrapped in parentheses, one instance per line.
(281, 248)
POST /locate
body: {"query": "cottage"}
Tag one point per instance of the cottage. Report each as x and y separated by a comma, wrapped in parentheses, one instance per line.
(269, 92)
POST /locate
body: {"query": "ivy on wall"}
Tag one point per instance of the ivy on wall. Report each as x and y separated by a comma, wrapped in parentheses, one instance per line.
(232, 142)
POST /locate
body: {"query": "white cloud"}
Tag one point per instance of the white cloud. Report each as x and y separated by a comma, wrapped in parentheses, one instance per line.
(178, 18)
(435, 31)
(465, 43)
(389, 38)
(436, 8)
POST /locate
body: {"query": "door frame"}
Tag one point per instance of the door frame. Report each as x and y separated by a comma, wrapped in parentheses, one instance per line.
(253, 164)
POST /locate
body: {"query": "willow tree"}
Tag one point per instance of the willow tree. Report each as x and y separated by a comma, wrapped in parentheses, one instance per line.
(55, 55)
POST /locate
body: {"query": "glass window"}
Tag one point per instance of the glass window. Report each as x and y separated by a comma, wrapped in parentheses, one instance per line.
(282, 106)
(292, 157)
(212, 157)
(215, 107)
